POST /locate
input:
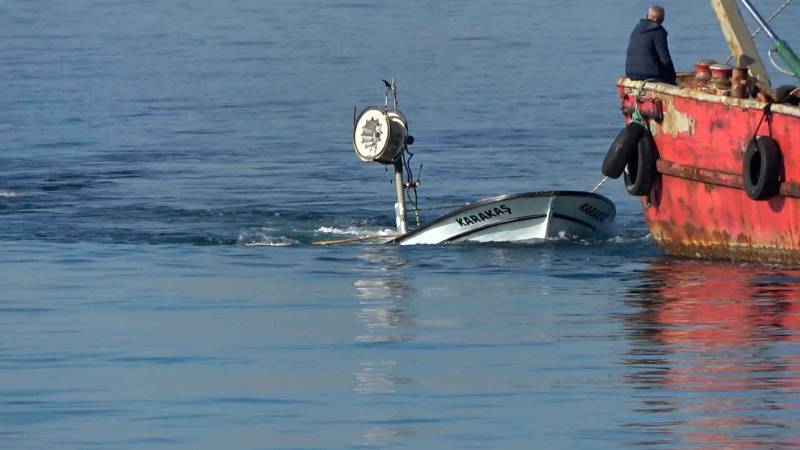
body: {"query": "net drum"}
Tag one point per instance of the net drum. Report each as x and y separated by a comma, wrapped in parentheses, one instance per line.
(379, 135)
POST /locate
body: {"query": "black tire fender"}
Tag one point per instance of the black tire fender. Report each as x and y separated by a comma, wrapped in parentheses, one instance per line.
(762, 167)
(621, 149)
(640, 170)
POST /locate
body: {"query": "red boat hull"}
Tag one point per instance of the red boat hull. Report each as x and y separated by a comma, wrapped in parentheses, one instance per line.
(698, 206)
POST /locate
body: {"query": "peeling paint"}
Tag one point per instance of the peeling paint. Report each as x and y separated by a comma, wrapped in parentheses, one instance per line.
(675, 122)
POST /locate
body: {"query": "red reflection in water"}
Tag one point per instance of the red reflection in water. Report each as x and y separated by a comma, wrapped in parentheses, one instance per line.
(717, 306)
(727, 348)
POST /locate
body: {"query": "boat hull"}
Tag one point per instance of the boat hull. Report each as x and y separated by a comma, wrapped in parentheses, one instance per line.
(698, 206)
(519, 218)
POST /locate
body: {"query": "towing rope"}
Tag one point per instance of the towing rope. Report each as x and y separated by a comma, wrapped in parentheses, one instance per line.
(602, 182)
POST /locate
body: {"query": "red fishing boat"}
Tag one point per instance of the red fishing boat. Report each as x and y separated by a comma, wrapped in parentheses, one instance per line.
(716, 159)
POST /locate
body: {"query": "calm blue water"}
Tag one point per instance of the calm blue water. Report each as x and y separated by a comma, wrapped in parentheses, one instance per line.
(165, 166)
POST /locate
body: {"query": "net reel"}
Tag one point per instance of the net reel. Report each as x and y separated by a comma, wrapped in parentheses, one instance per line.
(380, 134)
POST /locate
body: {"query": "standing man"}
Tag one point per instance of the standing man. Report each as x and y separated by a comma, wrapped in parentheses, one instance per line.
(648, 53)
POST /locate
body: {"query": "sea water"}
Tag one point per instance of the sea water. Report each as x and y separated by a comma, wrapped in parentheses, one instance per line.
(166, 165)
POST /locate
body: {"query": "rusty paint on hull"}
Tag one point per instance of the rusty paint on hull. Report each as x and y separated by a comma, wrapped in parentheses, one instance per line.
(698, 207)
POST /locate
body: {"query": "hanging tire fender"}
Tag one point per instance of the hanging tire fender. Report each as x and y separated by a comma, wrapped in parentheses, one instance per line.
(640, 170)
(762, 168)
(621, 149)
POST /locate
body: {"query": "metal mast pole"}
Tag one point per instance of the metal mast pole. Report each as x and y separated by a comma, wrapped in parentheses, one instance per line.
(400, 206)
(761, 22)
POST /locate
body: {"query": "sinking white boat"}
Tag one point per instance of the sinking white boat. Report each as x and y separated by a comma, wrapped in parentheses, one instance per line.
(525, 217)
(380, 134)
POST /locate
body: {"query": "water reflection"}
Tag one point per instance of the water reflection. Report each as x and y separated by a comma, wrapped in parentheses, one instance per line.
(384, 296)
(716, 355)
(383, 293)
(375, 377)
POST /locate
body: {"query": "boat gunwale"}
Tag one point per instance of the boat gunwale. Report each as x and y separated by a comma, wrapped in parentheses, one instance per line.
(695, 94)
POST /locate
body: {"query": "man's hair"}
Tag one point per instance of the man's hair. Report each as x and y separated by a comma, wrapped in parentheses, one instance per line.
(655, 12)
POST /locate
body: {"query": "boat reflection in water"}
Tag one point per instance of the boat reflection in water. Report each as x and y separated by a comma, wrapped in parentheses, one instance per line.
(383, 295)
(715, 355)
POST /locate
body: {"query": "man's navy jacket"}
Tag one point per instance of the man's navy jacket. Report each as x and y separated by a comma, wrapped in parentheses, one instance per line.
(648, 53)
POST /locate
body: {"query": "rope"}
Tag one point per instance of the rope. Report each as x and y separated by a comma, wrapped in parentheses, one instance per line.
(636, 116)
(778, 67)
(760, 29)
(768, 116)
(410, 182)
(602, 182)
